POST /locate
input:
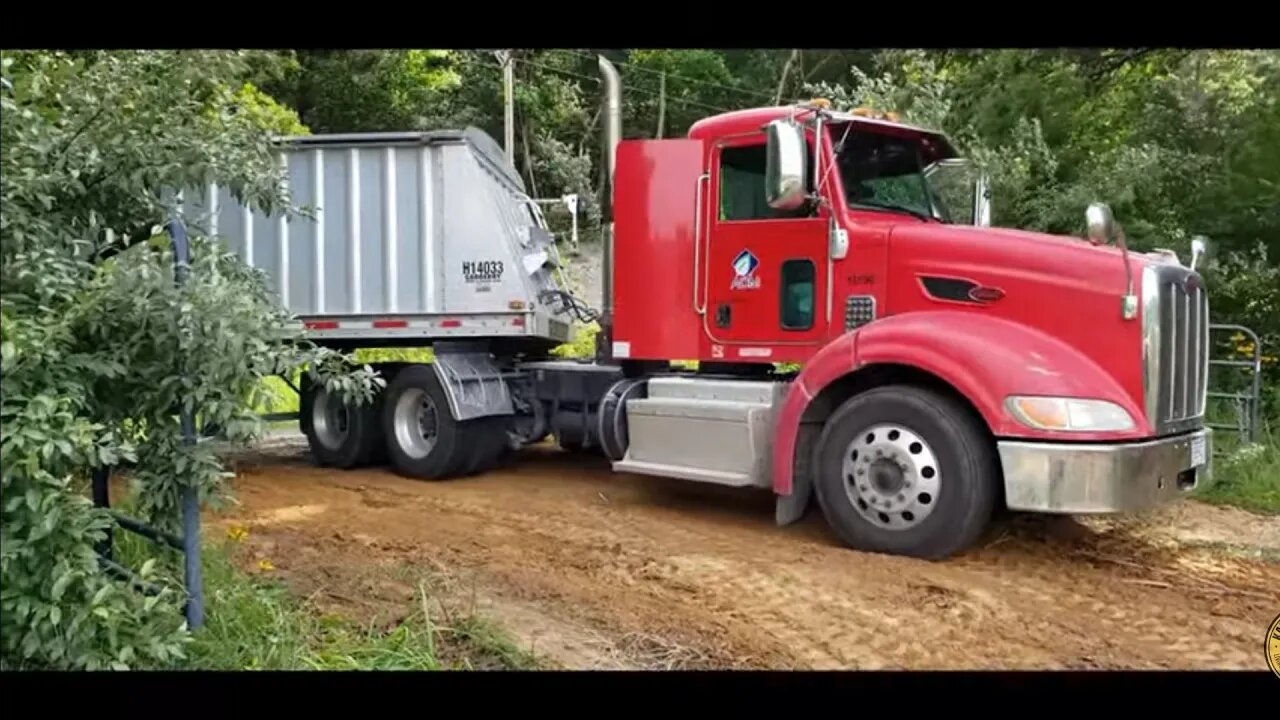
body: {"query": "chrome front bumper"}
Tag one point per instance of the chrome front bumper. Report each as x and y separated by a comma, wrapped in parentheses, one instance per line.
(1104, 478)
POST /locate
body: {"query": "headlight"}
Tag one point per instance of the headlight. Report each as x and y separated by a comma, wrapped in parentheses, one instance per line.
(1072, 414)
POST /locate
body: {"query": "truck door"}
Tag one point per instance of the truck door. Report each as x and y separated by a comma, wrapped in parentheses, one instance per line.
(766, 270)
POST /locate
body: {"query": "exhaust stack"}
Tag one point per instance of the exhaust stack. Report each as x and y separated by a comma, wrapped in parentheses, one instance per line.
(611, 113)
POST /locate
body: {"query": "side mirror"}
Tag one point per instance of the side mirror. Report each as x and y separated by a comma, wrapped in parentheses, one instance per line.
(1199, 246)
(1099, 223)
(785, 174)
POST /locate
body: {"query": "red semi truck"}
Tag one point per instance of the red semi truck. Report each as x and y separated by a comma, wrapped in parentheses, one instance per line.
(947, 368)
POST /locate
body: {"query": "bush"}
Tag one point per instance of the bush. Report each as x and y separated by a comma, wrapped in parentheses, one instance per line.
(101, 349)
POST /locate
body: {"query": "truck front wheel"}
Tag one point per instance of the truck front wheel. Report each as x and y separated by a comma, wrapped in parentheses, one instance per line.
(907, 471)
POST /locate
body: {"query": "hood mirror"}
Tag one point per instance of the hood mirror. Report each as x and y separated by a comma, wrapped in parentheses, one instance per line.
(1199, 246)
(982, 201)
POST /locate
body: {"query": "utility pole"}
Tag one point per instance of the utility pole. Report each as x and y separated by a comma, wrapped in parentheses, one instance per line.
(509, 103)
(782, 81)
(662, 102)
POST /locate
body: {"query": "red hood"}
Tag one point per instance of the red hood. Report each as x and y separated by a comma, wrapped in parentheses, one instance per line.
(1064, 287)
(1021, 251)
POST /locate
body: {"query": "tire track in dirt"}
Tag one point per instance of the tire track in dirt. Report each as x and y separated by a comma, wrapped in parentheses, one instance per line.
(666, 574)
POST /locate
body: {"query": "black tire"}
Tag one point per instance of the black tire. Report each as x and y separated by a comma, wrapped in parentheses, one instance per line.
(340, 436)
(449, 454)
(577, 447)
(926, 429)
(460, 448)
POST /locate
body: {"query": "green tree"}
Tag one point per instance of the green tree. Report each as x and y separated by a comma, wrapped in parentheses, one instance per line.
(362, 90)
(101, 348)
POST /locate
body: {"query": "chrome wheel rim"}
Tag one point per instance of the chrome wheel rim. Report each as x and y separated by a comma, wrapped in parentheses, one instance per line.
(416, 423)
(891, 476)
(330, 420)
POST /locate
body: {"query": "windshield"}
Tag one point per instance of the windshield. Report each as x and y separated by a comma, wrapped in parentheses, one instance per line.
(883, 171)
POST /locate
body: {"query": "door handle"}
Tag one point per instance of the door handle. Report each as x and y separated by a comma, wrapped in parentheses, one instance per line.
(722, 315)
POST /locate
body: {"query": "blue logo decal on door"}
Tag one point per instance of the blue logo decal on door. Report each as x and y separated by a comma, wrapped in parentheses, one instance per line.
(744, 271)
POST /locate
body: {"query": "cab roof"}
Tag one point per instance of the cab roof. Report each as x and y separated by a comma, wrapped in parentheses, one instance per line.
(751, 120)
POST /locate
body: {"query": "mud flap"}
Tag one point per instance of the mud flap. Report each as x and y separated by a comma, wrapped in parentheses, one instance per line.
(790, 508)
(473, 384)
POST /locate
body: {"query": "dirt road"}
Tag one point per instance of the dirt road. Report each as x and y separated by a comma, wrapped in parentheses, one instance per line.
(594, 569)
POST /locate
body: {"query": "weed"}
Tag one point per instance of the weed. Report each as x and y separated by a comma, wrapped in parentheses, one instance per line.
(1247, 475)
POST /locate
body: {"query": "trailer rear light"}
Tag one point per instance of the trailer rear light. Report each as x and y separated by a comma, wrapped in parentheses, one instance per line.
(320, 325)
(516, 305)
(1071, 414)
(390, 323)
(518, 322)
(450, 323)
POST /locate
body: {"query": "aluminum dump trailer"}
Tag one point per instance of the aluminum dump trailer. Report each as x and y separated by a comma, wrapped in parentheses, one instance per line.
(412, 237)
(416, 239)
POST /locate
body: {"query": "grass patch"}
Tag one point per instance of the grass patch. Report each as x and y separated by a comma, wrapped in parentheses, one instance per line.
(254, 623)
(1247, 476)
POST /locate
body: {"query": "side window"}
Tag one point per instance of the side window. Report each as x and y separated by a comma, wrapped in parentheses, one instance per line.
(798, 283)
(742, 171)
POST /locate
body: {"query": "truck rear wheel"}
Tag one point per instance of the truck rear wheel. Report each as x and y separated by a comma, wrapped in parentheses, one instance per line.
(423, 438)
(907, 471)
(339, 435)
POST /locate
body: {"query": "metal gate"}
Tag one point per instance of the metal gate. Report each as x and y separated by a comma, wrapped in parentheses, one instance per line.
(1244, 393)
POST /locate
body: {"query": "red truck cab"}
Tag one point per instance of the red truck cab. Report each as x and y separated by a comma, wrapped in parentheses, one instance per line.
(947, 367)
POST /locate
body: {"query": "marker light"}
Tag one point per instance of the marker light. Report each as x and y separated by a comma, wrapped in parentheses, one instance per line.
(1069, 414)
(867, 112)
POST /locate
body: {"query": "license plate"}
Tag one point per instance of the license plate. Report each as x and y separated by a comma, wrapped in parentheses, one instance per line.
(1197, 451)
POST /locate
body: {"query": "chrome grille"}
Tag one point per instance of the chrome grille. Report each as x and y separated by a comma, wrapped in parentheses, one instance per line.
(1176, 347)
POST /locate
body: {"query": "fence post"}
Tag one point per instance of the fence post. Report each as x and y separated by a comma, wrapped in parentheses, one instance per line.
(192, 574)
(102, 499)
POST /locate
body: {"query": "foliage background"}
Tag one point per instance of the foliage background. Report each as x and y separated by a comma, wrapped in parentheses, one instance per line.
(100, 347)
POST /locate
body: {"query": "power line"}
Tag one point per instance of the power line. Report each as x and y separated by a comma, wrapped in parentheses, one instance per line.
(632, 88)
(673, 76)
(588, 78)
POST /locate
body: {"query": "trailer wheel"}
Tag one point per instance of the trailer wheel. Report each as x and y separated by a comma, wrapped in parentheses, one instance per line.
(338, 434)
(423, 439)
(907, 471)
